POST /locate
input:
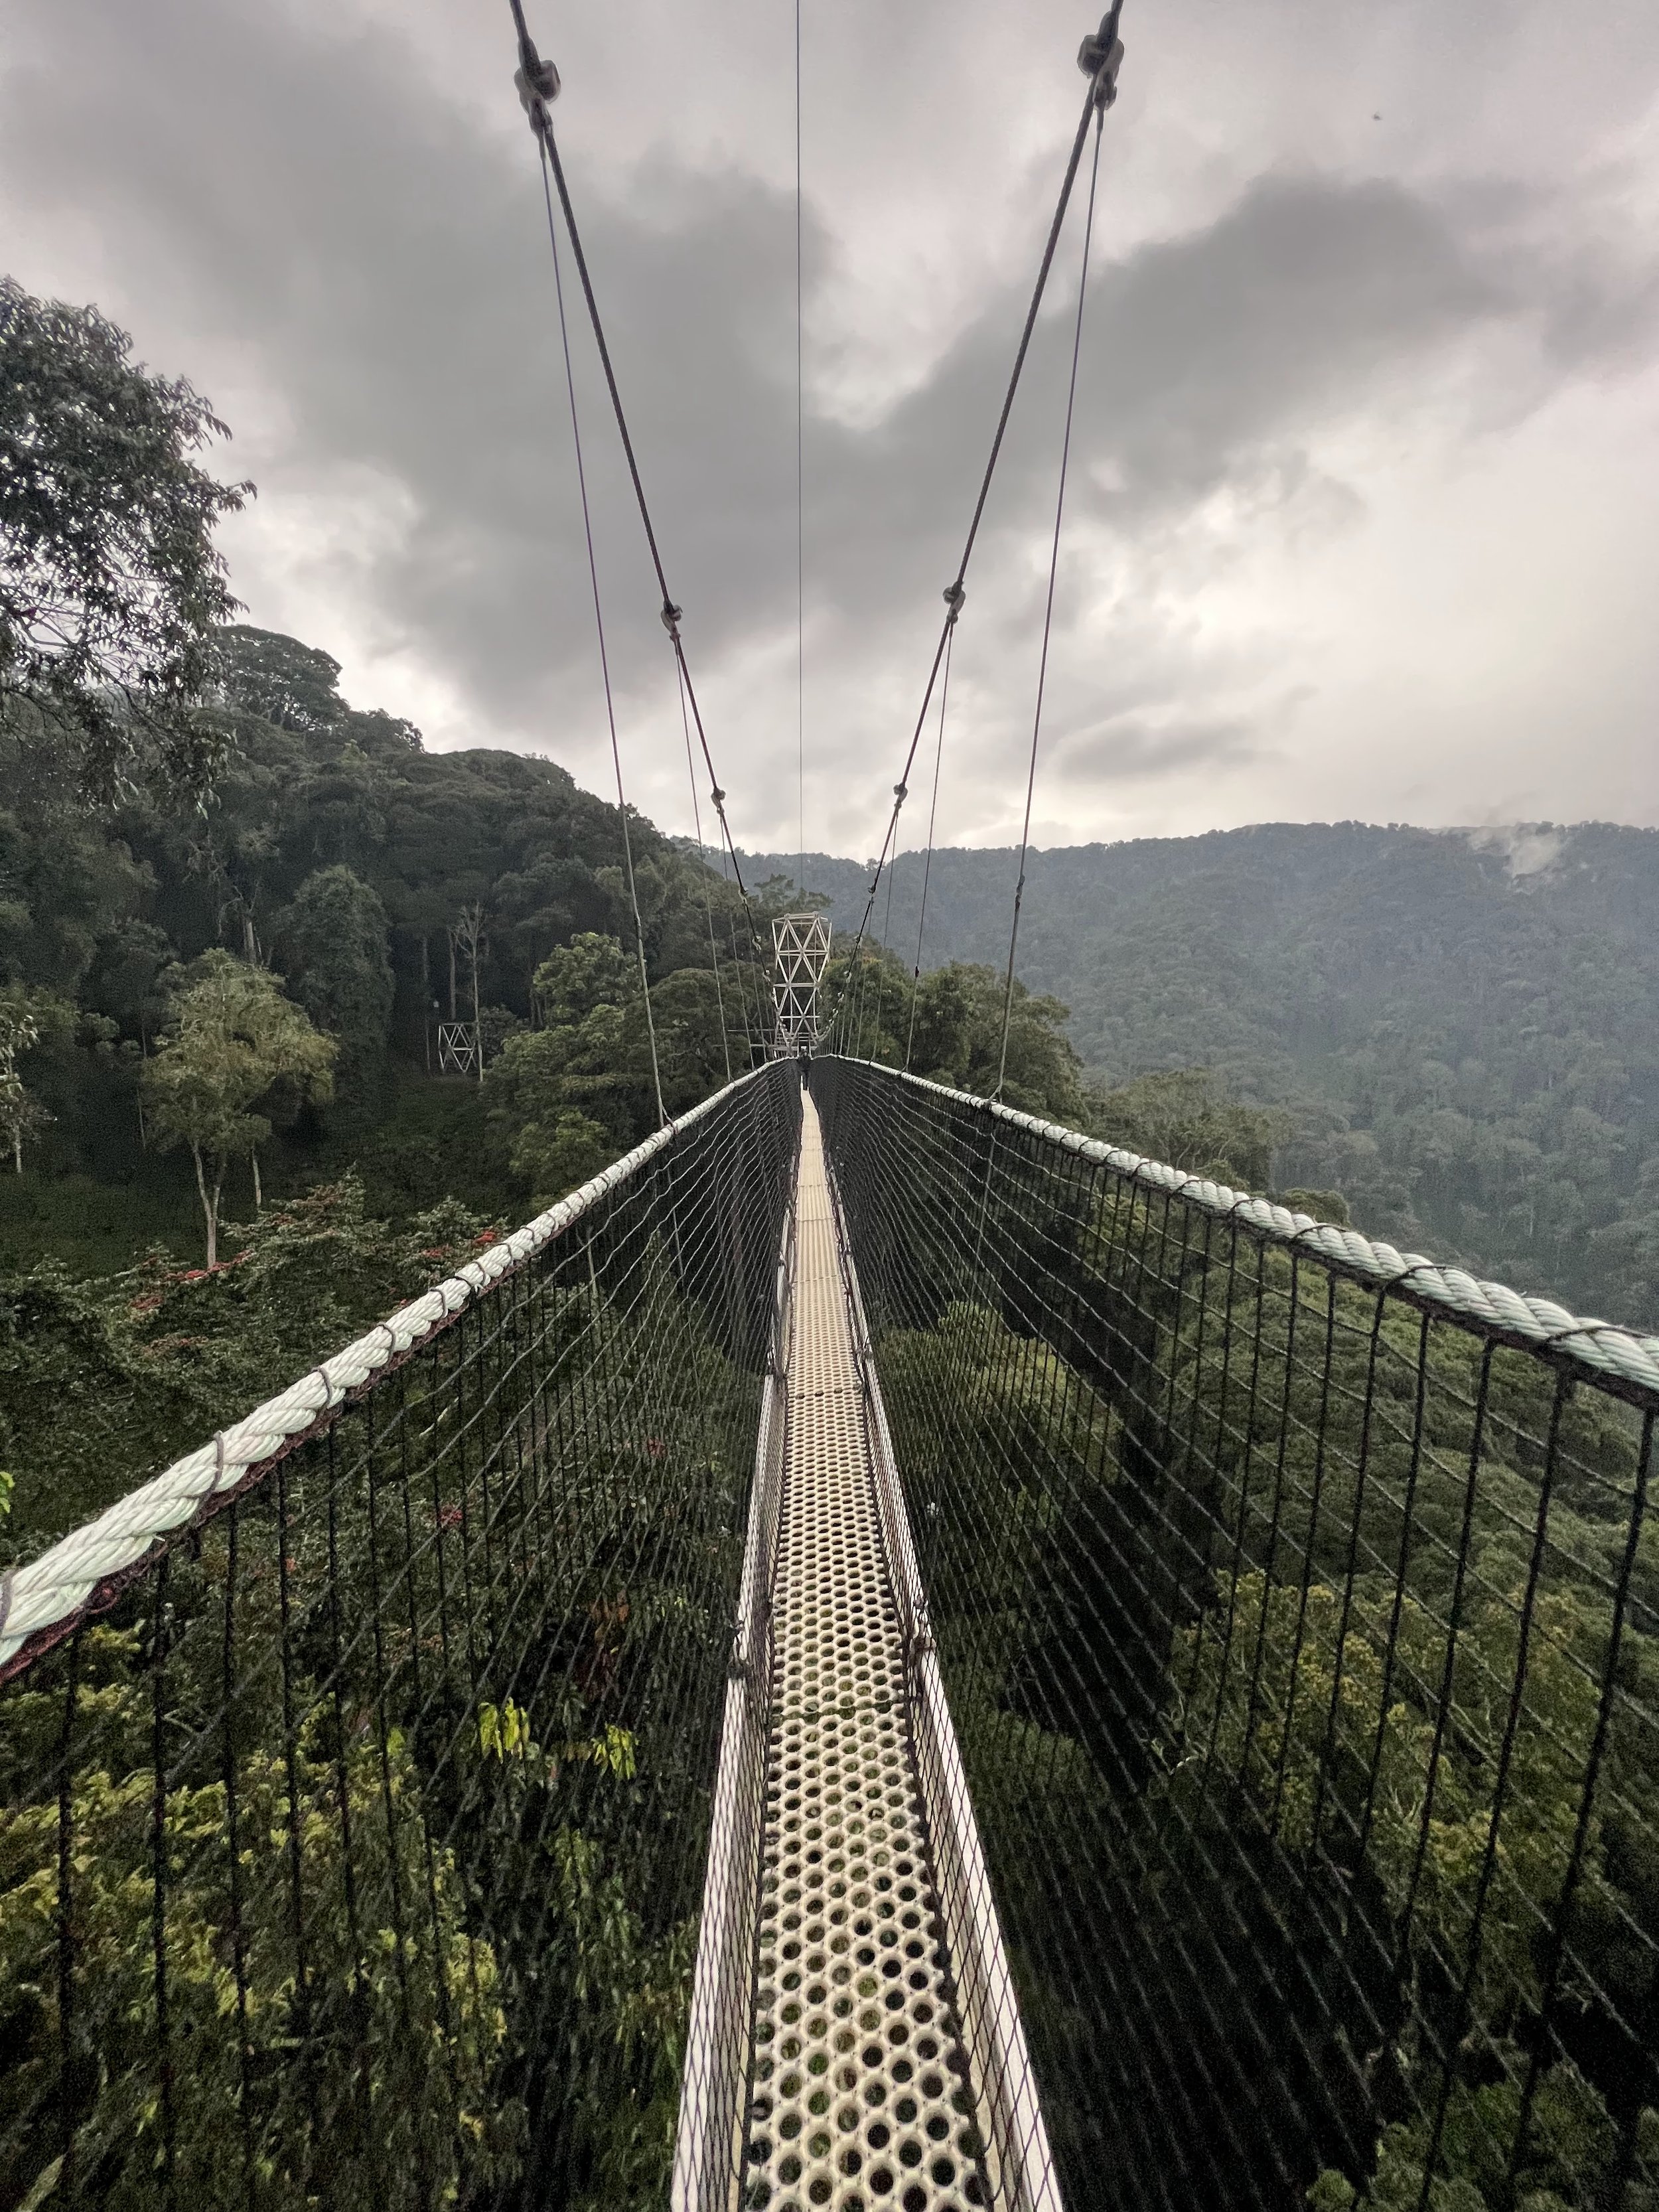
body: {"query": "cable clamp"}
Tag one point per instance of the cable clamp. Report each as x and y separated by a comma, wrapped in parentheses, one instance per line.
(539, 83)
(1101, 56)
(717, 794)
(901, 791)
(670, 617)
(956, 594)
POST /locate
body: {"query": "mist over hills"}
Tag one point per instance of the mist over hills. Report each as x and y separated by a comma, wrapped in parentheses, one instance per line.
(1462, 1025)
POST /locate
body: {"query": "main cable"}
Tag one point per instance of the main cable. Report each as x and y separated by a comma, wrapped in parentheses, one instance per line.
(1049, 606)
(538, 84)
(1099, 57)
(605, 663)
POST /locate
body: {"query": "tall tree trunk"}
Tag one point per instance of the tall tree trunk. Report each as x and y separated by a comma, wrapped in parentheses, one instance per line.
(477, 1033)
(209, 1207)
(451, 975)
(259, 1195)
(17, 1148)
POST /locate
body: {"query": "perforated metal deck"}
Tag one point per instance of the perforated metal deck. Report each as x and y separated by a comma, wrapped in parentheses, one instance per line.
(854, 2040)
(860, 2092)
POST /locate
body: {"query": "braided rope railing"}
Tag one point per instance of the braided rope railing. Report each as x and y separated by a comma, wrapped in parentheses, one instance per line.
(1298, 1606)
(44, 1599)
(1614, 1355)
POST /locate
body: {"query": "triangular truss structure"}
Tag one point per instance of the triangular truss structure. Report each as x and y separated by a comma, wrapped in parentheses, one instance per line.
(458, 1049)
(800, 953)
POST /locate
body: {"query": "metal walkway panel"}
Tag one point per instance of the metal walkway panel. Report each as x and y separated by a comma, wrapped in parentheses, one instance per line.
(882, 2061)
(860, 2087)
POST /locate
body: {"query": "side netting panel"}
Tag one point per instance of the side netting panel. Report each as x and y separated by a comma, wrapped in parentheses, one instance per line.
(357, 1772)
(1299, 1614)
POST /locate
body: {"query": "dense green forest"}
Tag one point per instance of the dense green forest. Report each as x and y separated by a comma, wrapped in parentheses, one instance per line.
(1461, 1029)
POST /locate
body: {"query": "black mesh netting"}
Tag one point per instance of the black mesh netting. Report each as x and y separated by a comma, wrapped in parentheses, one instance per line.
(352, 1853)
(1301, 1640)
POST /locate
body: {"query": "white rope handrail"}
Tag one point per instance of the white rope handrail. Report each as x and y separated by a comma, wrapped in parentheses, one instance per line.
(1612, 1354)
(49, 1592)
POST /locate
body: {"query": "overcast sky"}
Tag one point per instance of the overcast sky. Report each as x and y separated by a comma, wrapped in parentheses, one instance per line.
(1365, 507)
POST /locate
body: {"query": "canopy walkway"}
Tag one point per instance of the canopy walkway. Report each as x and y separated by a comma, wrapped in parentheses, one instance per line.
(882, 1653)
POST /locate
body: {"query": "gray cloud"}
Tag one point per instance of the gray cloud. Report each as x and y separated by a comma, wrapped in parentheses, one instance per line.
(1128, 749)
(304, 206)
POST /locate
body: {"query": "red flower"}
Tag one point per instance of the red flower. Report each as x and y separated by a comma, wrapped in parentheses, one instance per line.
(449, 1517)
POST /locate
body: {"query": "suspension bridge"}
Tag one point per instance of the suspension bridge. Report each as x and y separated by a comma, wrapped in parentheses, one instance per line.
(882, 1653)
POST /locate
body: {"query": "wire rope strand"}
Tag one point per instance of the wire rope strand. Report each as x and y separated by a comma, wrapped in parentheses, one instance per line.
(670, 612)
(1103, 91)
(927, 863)
(1049, 606)
(545, 140)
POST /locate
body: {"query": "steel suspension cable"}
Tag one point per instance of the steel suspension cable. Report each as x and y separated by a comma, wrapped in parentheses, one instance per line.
(539, 83)
(1048, 607)
(605, 663)
(1100, 57)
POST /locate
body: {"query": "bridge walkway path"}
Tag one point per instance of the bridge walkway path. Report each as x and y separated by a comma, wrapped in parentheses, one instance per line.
(860, 2090)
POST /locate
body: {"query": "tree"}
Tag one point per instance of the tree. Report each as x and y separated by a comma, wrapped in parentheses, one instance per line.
(591, 971)
(233, 1037)
(1181, 1117)
(110, 584)
(334, 942)
(20, 1114)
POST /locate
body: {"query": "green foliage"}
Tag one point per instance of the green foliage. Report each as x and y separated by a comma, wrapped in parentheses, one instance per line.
(1464, 1026)
(101, 1384)
(110, 586)
(232, 1040)
(333, 943)
(957, 1037)
(424, 2000)
(566, 1098)
(1182, 1118)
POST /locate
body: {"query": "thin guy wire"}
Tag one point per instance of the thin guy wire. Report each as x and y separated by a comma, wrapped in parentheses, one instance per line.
(670, 612)
(928, 864)
(1049, 606)
(598, 625)
(708, 894)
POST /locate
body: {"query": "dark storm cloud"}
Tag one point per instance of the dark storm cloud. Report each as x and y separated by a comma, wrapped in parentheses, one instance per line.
(383, 264)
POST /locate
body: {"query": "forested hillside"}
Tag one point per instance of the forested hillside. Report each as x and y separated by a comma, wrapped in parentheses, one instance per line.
(1462, 1028)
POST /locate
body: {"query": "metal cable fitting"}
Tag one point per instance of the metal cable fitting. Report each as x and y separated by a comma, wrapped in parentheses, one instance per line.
(954, 597)
(1101, 56)
(670, 617)
(539, 83)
